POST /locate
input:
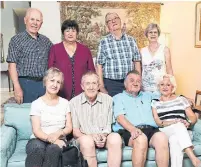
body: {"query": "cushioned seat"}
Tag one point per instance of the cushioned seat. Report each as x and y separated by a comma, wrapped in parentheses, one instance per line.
(17, 130)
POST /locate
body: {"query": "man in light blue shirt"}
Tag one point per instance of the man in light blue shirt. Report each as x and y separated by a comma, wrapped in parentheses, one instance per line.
(135, 122)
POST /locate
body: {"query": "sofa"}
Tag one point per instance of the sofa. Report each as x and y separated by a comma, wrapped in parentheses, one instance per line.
(16, 131)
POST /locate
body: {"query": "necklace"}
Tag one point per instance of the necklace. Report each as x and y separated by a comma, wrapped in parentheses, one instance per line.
(153, 50)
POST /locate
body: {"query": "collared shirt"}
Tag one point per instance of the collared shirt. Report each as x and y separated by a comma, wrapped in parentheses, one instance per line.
(137, 110)
(29, 54)
(92, 118)
(117, 56)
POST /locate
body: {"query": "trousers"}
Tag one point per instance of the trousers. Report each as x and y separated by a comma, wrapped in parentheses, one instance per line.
(179, 139)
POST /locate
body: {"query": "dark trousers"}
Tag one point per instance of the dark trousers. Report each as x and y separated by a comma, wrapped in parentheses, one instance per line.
(42, 154)
(114, 86)
(31, 89)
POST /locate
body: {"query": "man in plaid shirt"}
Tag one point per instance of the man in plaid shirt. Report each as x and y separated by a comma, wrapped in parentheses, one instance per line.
(28, 57)
(117, 55)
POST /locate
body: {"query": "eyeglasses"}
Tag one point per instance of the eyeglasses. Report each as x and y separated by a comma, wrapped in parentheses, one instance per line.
(153, 32)
(111, 20)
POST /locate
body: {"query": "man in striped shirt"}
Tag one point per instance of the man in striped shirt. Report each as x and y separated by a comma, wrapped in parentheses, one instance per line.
(28, 57)
(92, 119)
(117, 55)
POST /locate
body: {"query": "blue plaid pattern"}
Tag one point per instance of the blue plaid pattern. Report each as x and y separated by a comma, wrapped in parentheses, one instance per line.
(117, 56)
(29, 54)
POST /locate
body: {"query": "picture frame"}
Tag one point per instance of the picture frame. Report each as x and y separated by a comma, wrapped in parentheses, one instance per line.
(198, 25)
(90, 16)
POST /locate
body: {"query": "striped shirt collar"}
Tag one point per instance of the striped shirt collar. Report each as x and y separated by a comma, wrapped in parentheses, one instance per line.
(84, 99)
(139, 94)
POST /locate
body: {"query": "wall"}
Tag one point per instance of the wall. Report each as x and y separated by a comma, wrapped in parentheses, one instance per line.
(175, 20)
(8, 28)
(178, 18)
(51, 19)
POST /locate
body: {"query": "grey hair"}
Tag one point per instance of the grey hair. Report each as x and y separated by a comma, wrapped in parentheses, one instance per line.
(29, 10)
(150, 27)
(51, 72)
(172, 81)
(131, 72)
(89, 73)
(109, 13)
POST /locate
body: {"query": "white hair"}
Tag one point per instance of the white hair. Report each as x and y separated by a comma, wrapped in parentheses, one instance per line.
(171, 78)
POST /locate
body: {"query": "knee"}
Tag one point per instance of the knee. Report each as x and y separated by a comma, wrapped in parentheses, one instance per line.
(162, 141)
(141, 142)
(35, 145)
(114, 139)
(53, 148)
(86, 141)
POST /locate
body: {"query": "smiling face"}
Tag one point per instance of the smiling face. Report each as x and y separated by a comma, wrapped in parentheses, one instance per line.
(166, 87)
(70, 34)
(153, 35)
(33, 21)
(53, 83)
(113, 22)
(133, 83)
(90, 85)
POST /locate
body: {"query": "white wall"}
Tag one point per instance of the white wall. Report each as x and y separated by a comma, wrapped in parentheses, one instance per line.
(8, 28)
(51, 19)
(178, 18)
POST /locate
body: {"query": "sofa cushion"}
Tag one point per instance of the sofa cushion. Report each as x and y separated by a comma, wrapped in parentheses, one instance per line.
(127, 152)
(17, 116)
(19, 155)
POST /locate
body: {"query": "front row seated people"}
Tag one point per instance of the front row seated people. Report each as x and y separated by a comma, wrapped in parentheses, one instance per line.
(174, 115)
(92, 119)
(135, 122)
(51, 122)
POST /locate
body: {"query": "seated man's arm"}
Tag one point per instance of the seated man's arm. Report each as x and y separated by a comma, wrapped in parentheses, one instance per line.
(135, 132)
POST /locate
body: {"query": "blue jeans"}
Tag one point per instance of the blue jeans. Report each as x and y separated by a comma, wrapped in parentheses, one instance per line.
(31, 89)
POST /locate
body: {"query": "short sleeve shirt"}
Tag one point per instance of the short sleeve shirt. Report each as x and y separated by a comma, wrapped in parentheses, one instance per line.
(137, 110)
(52, 118)
(117, 56)
(29, 54)
(172, 109)
(92, 118)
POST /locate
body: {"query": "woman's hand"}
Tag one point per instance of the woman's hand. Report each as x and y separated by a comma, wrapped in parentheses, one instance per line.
(52, 137)
(186, 123)
(60, 143)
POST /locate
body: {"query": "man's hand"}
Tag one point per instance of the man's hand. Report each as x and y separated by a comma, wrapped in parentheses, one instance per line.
(99, 140)
(135, 133)
(103, 90)
(18, 93)
(60, 143)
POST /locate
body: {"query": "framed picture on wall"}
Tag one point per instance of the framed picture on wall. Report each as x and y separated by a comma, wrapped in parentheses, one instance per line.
(198, 25)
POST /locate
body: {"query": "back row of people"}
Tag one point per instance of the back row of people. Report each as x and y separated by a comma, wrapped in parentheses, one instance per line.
(30, 54)
(141, 121)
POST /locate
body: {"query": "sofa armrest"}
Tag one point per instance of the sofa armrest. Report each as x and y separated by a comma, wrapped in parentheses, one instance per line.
(8, 143)
(197, 131)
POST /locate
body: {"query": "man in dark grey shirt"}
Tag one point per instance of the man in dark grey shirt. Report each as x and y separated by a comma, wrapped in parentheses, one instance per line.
(28, 57)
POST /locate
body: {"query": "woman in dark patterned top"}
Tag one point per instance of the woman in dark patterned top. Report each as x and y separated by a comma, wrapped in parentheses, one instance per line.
(174, 115)
(72, 58)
